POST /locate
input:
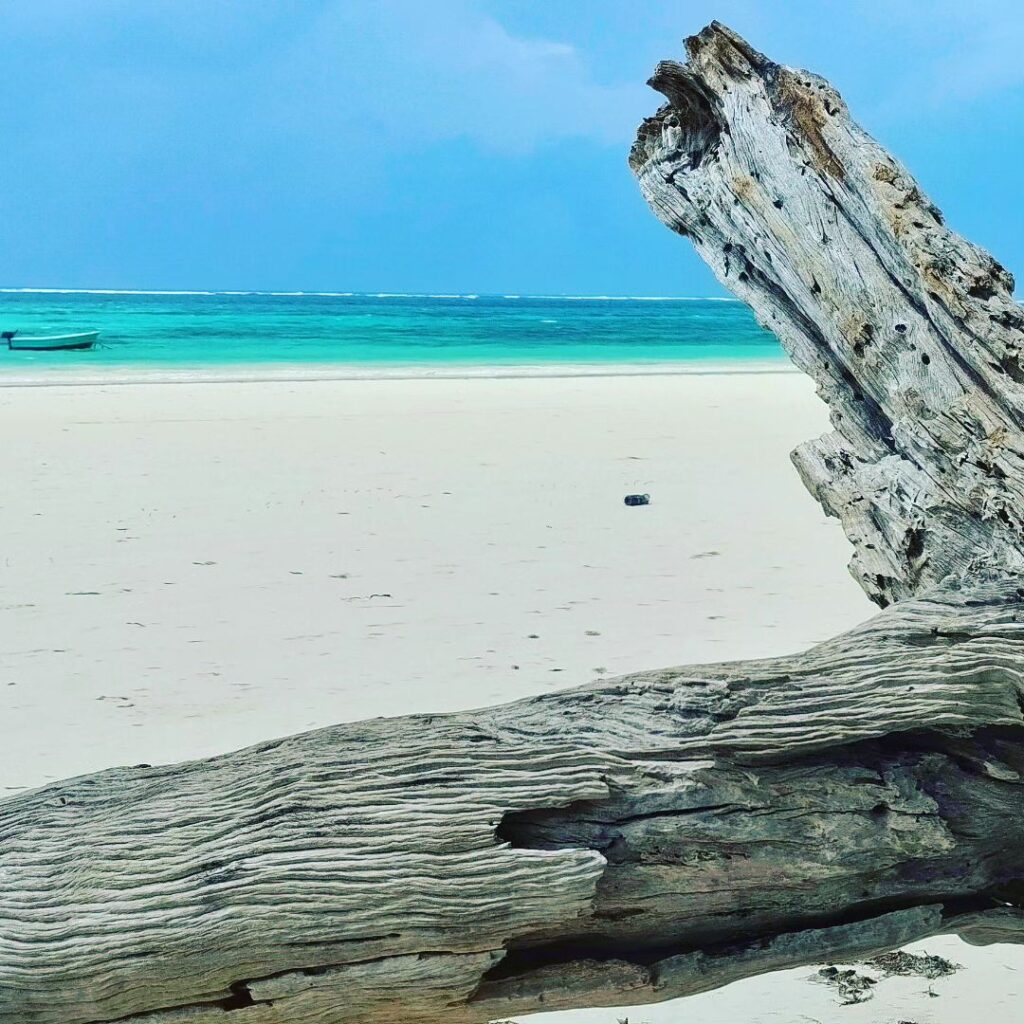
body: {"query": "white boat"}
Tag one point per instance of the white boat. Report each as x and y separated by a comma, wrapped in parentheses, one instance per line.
(49, 343)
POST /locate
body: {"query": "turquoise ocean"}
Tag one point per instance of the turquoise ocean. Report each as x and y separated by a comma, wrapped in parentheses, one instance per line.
(259, 333)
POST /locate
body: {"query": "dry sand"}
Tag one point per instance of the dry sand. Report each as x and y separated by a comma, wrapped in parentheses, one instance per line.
(190, 568)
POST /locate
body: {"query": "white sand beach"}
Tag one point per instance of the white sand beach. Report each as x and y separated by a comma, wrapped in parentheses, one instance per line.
(190, 568)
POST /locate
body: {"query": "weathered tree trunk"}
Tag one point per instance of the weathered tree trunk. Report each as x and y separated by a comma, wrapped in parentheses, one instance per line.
(910, 332)
(650, 837)
(664, 833)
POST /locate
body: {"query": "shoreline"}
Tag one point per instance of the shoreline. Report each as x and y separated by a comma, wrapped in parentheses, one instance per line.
(284, 373)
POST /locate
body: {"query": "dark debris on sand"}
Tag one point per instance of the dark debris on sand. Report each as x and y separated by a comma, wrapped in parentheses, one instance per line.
(920, 965)
(851, 986)
(855, 987)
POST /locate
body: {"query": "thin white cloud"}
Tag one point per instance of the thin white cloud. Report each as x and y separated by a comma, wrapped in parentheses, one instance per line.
(957, 53)
(986, 62)
(341, 84)
(433, 72)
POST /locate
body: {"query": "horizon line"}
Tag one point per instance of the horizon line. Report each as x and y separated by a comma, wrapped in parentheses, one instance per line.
(368, 295)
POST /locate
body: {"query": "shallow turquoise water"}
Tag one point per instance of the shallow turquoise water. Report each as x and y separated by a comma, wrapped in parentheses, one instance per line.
(200, 331)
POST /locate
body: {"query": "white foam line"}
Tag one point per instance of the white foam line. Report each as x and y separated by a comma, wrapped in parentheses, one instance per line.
(638, 298)
(98, 291)
(368, 295)
(284, 374)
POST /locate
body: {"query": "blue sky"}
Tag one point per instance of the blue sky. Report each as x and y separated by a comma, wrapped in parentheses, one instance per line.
(439, 145)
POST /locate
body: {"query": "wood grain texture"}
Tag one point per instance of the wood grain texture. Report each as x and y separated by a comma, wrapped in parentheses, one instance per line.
(648, 837)
(663, 833)
(910, 331)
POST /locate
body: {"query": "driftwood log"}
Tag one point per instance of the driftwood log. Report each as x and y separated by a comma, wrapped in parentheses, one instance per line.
(664, 833)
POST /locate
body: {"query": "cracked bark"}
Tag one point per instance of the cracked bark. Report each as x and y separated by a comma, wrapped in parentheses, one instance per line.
(910, 332)
(671, 831)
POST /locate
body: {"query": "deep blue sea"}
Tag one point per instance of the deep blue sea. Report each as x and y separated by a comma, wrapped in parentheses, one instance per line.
(247, 332)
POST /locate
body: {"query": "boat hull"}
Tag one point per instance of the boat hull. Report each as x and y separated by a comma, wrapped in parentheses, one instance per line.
(55, 343)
